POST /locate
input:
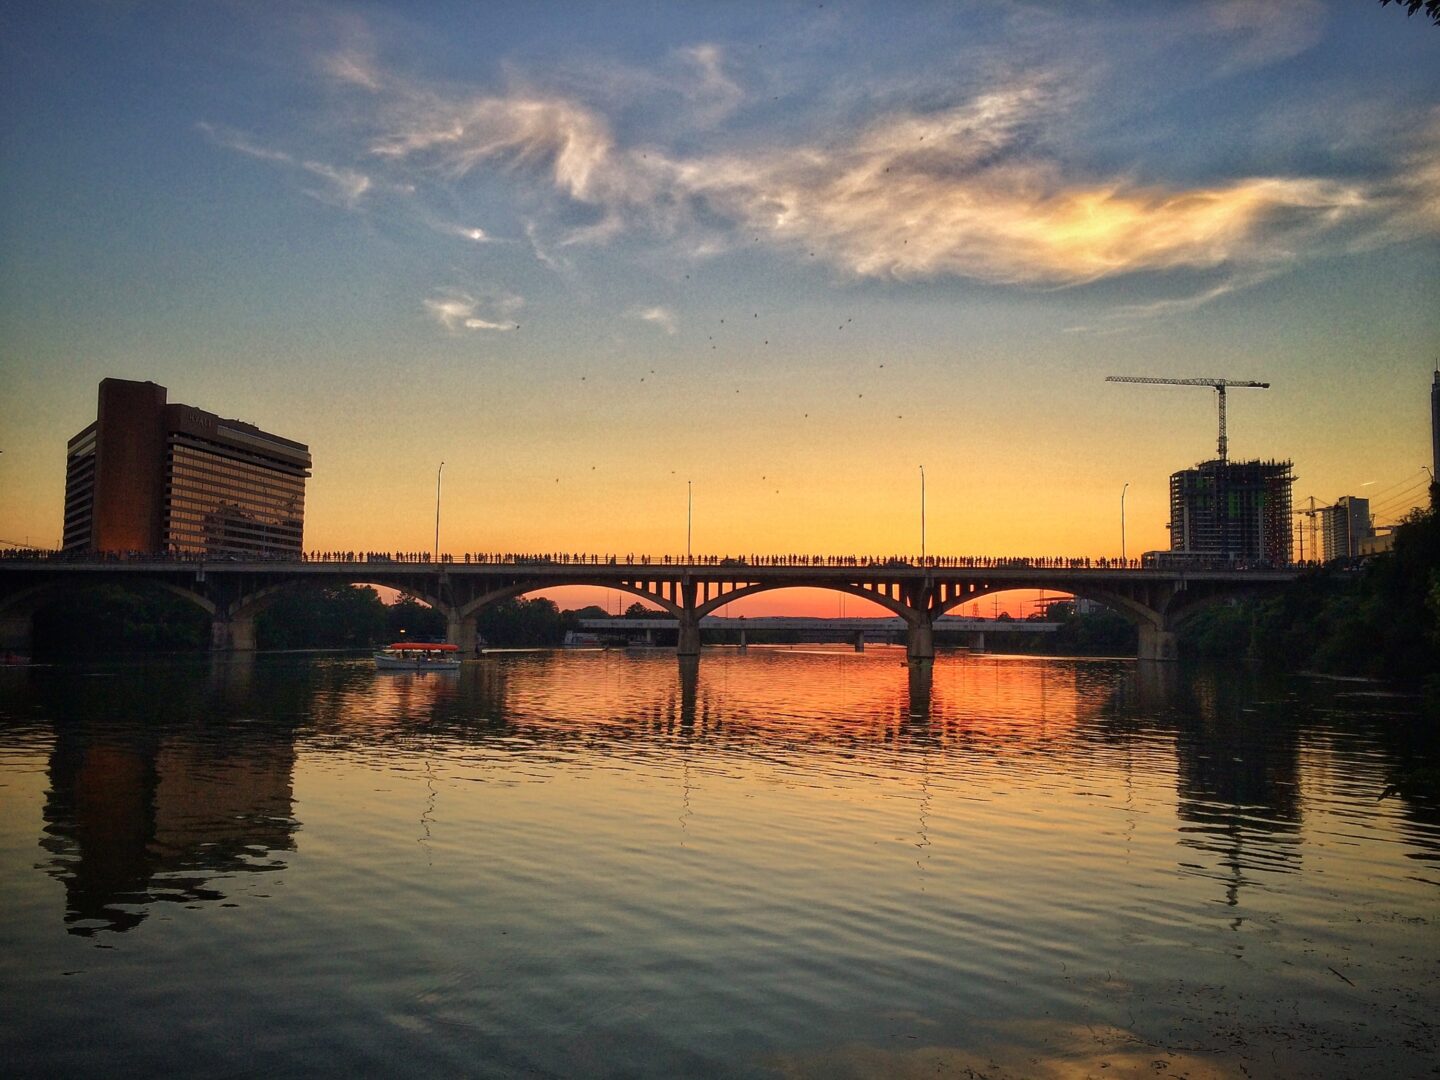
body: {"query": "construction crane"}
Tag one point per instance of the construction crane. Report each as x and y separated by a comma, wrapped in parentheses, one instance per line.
(1218, 384)
(1314, 540)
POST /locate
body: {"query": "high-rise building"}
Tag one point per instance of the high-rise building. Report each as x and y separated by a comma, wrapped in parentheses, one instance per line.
(1343, 526)
(1233, 511)
(148, 476)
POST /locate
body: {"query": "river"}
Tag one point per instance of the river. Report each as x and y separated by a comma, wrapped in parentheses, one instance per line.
(789, 863)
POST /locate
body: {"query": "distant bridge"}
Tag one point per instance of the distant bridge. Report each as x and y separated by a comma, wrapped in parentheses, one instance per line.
(233, 592)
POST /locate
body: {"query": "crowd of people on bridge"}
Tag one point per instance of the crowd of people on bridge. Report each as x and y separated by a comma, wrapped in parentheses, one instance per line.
(567, 558)
(513, 558)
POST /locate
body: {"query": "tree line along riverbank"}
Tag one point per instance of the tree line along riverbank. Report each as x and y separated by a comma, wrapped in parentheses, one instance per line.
(1378, 619)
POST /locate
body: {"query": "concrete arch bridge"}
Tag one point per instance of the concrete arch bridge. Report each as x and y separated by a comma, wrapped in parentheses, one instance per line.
(232, 593)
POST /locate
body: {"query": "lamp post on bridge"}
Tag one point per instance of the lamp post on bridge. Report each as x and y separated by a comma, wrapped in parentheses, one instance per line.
(922, 515)
(1123, 560)
(689, 516)
(437, 510)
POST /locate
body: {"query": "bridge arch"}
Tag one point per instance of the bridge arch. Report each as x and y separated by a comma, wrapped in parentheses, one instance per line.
(896, 607)
(1182, 612)
(1134, 610)
(252, 604)
(511, 591)
(234, 620)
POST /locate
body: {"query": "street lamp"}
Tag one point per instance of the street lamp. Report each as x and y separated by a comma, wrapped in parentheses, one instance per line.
(437, 510)
(922, 515)
(1124, 489)
(689, 516)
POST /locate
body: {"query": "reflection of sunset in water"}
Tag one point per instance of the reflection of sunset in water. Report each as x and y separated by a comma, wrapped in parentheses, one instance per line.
(833, 695)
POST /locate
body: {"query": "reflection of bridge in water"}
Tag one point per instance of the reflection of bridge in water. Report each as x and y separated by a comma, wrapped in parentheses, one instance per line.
(233, 593)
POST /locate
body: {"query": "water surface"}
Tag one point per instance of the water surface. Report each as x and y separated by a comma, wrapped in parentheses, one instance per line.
(791, 863)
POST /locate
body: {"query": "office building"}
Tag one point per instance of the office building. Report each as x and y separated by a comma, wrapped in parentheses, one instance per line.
(1343, 527)
(150, 476)
(1233, 512)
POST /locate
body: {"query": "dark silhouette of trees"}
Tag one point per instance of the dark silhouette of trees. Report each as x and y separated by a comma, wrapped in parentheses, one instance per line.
(409, 619)
(1381, 619)
(1100, 632)
(117, 619)
(323, 617)
(524, 624)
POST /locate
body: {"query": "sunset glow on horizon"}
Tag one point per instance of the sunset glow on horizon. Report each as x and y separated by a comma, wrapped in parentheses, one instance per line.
(644, 277)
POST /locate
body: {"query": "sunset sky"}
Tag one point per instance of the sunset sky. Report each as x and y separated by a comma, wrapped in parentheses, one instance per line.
(583, 253)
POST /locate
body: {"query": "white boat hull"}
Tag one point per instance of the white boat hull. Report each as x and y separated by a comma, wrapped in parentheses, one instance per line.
(405, 663)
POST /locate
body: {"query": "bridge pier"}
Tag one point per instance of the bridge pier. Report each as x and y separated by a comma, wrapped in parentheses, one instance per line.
(859, 640)
(920, 641)
(687, 641)
(1157, 644)
(232, 635)
(461, 631)
(977, 641)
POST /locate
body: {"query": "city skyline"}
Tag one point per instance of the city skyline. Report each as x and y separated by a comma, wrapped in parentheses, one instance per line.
(785, 254)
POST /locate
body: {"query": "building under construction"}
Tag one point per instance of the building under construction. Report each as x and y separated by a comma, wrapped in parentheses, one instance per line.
(1233, 512)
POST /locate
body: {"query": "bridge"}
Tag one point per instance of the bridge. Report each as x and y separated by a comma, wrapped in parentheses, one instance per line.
(233, 592)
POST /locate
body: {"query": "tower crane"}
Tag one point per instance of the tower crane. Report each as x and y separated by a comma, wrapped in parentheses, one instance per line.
(1218, 384)
(1314, 541)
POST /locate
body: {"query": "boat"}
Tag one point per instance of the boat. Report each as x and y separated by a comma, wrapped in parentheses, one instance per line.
(418, 656)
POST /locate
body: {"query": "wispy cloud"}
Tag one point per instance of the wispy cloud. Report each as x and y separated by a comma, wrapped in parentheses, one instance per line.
(346, 186)
(711, 92)
(457, 311)
(455, 138)
(955, 193)
(355, 66)
(241, 143)
(1263, 32)
(660, 316)
(343, 186)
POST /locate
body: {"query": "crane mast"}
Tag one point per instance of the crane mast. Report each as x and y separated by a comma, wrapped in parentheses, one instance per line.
(1219, 386)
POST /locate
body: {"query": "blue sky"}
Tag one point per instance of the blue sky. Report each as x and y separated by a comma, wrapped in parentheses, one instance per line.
(790, 252)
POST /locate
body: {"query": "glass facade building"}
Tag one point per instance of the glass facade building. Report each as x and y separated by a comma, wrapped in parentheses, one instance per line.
(149, 476)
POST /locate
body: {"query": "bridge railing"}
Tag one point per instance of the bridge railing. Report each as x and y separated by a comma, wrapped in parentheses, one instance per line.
(740, 563)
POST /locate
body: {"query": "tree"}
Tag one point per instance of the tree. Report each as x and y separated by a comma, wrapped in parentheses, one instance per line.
(410, 619)
(1096, 633)
(323, 617)
(1382, 620)
(1431, 7)
(119, 618)
(525, 624)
